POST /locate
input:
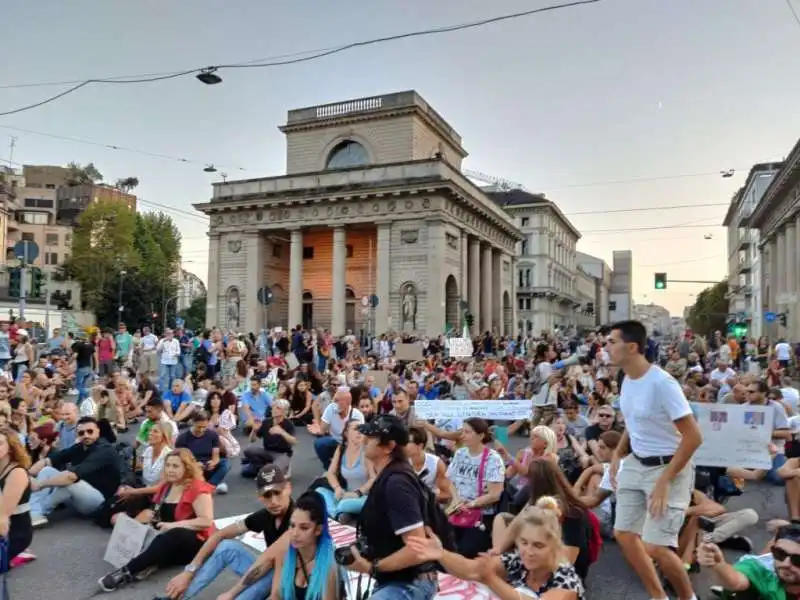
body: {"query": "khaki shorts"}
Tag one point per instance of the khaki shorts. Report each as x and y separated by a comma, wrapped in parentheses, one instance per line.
(635, 483)
(148, 363)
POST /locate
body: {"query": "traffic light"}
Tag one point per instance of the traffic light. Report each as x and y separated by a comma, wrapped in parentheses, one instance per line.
(782, 319)
(590, 308)
(612, 305)
(15, 282)
(469, 319)
(661, 281)
(37, 282)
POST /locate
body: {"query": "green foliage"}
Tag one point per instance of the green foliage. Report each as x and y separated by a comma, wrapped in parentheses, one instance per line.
(195, 315)
(80, 175)
(710, 310)
(126, 184)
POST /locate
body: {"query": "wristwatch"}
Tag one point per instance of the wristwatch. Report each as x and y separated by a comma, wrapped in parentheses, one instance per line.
(374, 569)
(190, 568)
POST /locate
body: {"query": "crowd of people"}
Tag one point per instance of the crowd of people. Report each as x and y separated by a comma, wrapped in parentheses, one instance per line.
(611, 437)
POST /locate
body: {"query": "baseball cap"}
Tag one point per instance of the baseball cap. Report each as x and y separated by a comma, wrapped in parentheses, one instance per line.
(270, 478)
(389, 428)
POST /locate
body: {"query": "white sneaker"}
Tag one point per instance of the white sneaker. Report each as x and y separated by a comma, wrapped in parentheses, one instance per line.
(39, 521)
(222, 488)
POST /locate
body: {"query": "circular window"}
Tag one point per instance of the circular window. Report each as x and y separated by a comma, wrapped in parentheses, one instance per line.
(347, 154)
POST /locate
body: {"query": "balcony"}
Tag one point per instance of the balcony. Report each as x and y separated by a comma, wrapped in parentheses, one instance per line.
(745, 239)
(745, 266)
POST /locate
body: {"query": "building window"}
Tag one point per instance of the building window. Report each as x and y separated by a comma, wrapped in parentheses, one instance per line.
(33, 218)
(521, 303)
(347, 154)
(51, 239)
(524, 250)
(276, 251)
(67, 239)
(308, 252)
(50, 258)
(50, 186)
(349, 250)
(525, 221)
(527, 303)
(28, 237)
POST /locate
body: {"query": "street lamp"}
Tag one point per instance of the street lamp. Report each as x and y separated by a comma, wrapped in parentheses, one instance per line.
(209, 76)
(122, 274)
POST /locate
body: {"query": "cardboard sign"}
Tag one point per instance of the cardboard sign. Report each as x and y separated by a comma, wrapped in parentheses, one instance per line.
(291, 361)
(127, 540)
(408, 352)
(381, 378)
(734, 435)
(459, 347)
(499, 410)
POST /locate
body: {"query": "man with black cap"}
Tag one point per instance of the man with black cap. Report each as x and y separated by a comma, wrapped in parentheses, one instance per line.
(397, 494)
(222, 551)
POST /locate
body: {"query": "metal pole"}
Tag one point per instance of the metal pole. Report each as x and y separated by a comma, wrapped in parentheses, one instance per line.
(23, 290)
(47, 309)
(119, 304)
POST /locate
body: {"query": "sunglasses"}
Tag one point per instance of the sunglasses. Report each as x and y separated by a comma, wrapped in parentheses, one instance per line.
(781, 555)
(605, 416)
(85, 432)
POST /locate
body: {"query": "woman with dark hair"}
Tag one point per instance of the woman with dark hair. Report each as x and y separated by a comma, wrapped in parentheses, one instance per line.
(545, 479)
(307, 571)
(350, 475)
(476, 475)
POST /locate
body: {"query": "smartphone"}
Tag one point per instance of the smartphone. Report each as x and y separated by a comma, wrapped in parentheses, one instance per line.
(706, 524)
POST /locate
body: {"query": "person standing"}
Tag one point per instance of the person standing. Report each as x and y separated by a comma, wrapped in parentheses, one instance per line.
(169, 353)
(654, 488)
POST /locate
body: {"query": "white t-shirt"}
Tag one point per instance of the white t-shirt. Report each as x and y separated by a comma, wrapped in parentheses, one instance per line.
(650, 406)
(152, 466)
(791, 396)
(170, 351)
(338, 423)
(149, 342)
(605, 484)
(783, 351)
(464, 469)
(543, 398)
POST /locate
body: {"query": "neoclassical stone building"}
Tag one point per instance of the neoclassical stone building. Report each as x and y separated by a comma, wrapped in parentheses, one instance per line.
(373, 204)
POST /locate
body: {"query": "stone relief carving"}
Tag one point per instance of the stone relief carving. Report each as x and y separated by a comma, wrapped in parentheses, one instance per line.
(452, 241)
(408, 306)
(234, 246)
(409, 236)
(233, 307)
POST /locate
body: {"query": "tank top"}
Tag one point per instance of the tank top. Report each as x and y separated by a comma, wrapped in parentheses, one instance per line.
(356, 475)
(429, 468)
(20, 525)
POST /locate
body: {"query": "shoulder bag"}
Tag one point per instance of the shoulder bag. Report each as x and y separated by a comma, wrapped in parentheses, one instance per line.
(472, 517)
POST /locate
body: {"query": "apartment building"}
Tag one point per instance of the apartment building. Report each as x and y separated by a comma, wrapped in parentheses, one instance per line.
(602, 273)
(71, 201)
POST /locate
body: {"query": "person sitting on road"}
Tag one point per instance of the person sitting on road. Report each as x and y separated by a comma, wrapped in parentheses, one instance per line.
(222, 550)
(84, 475)
(205, 446)
(428, 467)
(182, 512)
(178, 402)
(255, 404)
(154, 410)
(333, 423)
(278, 436)
(15, 492)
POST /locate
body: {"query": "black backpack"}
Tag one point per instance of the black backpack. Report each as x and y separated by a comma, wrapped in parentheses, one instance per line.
(201, 354)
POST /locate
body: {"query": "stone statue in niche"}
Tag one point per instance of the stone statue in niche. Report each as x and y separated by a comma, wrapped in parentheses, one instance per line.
(234, 304)
(408, 307)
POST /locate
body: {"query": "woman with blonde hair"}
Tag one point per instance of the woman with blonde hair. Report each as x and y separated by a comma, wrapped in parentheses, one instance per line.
(537, 568)
(543, 445)
(183, 513)
(15, 493)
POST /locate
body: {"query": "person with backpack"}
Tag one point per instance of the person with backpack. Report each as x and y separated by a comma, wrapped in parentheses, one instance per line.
(398, 507)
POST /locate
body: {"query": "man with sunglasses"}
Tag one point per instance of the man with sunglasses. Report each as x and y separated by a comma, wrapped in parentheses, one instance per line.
(83, 475)
(753, 574)
(222, 551)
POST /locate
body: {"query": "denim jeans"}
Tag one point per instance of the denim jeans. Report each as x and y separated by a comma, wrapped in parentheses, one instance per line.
(83, 378)
(166, 375)
(216, 476)
(186, 364)
(325, 448)
(349, 506)
(419, 589)
(80, 495)
(235, 556)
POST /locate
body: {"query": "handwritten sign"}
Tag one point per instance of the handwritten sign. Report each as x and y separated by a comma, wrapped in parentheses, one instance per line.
(450, 588)
(291, 361)
(408, 352)
(127, 541)
(500, 410)
(459, 347)
(734, 435)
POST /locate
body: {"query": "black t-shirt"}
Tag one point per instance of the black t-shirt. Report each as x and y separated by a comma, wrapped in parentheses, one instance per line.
(275, 442)
(97, 465)
(575, 531)
(84, 351)
(200, 447)
(264, 522)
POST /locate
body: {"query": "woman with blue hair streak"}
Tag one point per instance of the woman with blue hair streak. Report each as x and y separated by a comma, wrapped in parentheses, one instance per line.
(308, 570)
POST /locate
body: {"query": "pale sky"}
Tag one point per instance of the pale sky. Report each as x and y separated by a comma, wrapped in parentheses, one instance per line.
(614, 91)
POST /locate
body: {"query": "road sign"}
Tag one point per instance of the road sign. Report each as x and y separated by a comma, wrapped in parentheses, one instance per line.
(769, 317)
(179, 322)
(374, 300)
(26, 251)
(265, 295)
(365, 301)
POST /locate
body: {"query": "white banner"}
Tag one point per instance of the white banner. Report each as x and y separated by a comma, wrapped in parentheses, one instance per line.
(459, 347)
(734, 435)
(450, 588)
(500, 410)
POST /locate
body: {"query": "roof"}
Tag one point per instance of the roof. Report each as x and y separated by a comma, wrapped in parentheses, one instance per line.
(776, 188)
(732, 207)
(517, 198)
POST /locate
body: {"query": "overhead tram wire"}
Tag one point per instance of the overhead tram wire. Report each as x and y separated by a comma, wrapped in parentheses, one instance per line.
(311, 57)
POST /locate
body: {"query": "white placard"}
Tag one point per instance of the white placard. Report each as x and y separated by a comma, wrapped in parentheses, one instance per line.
(734, 435)
(291, 361)
(127, 540)
(501, 410)
(459, 347)
(450, 588)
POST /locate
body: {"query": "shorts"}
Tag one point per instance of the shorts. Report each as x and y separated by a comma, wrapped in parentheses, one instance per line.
(543, 414)
(635, 483)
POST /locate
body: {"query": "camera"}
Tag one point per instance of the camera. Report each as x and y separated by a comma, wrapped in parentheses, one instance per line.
(344, 555)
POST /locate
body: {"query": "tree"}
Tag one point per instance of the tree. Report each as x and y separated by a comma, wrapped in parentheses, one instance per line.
(195, 315)
(80, 175)
(126, 184)
(710, 310)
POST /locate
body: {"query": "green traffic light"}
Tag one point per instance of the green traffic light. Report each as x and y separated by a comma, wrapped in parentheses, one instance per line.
(659, 285)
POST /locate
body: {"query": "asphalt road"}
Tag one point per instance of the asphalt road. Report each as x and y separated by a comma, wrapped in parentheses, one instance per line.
(70, 551)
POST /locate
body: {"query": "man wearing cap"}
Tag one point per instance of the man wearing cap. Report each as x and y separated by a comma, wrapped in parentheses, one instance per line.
(223, 551)
(392, 514)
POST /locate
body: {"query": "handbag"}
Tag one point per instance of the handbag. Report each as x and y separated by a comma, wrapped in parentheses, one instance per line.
(472, 517)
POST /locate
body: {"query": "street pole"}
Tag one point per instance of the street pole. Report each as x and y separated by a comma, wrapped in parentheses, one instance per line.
(23, 290)
(47, 309)
(120, 308)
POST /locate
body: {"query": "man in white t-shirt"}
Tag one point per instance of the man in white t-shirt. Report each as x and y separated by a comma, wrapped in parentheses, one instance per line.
(783, 352)
(333, 423)
(660, 438)
(544, 403)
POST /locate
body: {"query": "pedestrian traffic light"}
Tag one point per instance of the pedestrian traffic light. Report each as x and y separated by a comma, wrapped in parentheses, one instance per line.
(37, 282)
(469, 319)
(612, 305)
(661, 281)
(782, 318)
(15, 282)
(590, 308)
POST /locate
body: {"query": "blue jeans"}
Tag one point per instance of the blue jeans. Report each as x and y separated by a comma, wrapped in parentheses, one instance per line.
(216, 476)
(83, 378)
(325, 447)
(166, 375)
(419, 589)
(80, 495)
(349, 506)
(235, 556)
(772, 475)
(186, 364)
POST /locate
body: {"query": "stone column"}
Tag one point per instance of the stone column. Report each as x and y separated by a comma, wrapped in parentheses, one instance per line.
(253, 319)
(339, 283)
(435, 305)
(212, 291)
(295, 278)
(486, 289)
(513, 292)
(475, 284)
(383, 279)
(464, 283)
(779, 278)
(772, 274)
(497, 291)
(791, 280)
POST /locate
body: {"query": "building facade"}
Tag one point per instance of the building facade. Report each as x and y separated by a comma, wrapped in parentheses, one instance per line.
(546, 295)
(656, 318)
(744, 256)
(72, 200)
(586, 293)
(777, 219)
(374, 228)
(601, 272)
(190, 288)
(620, 294)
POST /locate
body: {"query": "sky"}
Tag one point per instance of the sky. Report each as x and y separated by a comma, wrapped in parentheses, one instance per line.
(574, 103)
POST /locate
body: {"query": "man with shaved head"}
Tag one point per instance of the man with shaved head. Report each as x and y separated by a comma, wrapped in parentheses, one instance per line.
(333, 423)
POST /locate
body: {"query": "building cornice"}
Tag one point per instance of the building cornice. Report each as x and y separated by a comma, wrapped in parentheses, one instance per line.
(777, 189)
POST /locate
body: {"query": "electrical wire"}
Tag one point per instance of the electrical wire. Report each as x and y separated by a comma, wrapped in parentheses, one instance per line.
(682, 262)
(311, 57)
(630, 210)
(794, 12)
(653, 228)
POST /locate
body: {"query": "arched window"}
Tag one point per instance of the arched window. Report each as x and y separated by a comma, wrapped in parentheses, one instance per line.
(349, 294)
(347, 154)
(307, 297)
